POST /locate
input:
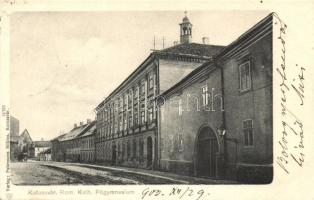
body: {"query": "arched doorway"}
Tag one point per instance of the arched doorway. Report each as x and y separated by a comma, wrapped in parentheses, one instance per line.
(207, 149)
(149, 152)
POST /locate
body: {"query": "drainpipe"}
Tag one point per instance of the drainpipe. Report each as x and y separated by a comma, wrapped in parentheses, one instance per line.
(225, 156)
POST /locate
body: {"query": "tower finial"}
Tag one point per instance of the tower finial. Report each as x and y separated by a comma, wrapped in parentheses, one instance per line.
(185, 12)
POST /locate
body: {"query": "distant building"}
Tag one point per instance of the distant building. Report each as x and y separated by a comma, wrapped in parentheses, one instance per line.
(14, 137)
(87, 143)
(57, 153)
(41, 146)
(25, 144)
(127, 124)
(217, 121)
(44, 155)
(77, 145)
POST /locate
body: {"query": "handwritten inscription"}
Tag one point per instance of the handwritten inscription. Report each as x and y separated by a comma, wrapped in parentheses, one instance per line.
(291, 143)
(175, 192)
(299, 87)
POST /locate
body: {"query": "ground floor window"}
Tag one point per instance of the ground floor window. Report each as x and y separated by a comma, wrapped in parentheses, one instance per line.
(134, 148)
(128, 149)
(141, 149)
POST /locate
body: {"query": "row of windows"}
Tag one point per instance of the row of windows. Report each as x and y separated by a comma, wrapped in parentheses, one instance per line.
(88, 143)
(125, 150)
(88, 156)
(128, 111)
(143, 90)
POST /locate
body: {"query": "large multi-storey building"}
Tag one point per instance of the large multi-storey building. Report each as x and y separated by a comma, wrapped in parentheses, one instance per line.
(217, 121)
(127, 123)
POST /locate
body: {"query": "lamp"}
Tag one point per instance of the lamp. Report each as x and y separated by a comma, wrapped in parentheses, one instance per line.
(221, 130)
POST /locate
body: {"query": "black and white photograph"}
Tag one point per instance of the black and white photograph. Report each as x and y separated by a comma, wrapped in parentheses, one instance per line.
(189, 103)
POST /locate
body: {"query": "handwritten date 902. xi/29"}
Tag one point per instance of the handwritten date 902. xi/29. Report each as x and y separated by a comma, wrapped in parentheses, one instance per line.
(174, 193)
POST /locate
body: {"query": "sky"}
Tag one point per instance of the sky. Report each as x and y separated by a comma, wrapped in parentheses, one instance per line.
(63, 64)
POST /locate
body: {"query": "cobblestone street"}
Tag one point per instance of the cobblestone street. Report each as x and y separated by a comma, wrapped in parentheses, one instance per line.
(46, 173)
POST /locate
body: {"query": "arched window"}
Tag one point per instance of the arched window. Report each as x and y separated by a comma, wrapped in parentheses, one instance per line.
(184, 30)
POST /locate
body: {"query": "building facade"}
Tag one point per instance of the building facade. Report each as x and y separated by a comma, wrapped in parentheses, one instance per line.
(78, 145)
(217, 121)
(44, 155)
(127, 123)
(40, 146)
(26, 145)
(87, 144)
(14, 138)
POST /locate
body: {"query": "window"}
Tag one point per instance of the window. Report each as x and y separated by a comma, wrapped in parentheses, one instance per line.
(171, 143)
(142, 90)
(205, 95)
(245, 76)
(180, 142)
(123, 150)
(151, 81)
(150, 114)
(134, 148)
(124, 122)
(248, 132)
(141, 149)
(142, 117)
(135, 119)
(180, 106)
(130, 97)
(130, 119)
(120, 123)
(135, 92)
(128, 149)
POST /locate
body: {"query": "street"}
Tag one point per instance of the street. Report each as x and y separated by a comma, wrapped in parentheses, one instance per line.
(58, 173)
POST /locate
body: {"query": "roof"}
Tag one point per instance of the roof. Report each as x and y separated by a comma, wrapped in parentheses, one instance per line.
(195, 72)
(42, 144)
(58, 137)
(73, 133)
(90, 130)
(203, 50)
(263, 24)
(80, 131)
(24, 134)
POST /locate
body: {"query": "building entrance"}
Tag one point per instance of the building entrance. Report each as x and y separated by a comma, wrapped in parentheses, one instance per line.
(207, 149)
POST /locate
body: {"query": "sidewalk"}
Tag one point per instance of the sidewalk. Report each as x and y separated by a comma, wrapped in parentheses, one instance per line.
(175, 178)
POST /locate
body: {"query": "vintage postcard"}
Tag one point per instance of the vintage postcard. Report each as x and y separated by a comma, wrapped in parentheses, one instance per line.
(156, 100)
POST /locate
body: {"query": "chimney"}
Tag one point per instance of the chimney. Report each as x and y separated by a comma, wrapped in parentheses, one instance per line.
(205, 40)
(88, 121)
(175, 43)
(81, 123)
(75, 125)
